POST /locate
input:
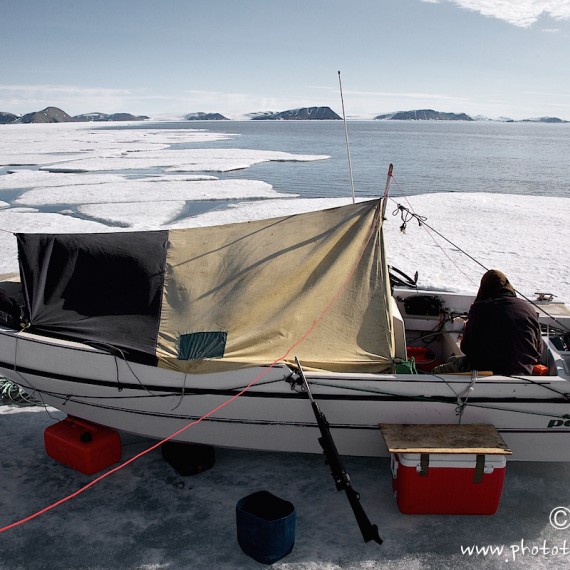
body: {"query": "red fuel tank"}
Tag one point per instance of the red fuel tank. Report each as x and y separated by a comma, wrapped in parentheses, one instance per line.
(82, 445)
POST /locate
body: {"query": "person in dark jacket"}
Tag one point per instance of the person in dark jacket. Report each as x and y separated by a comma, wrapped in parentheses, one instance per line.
(9, 310)
(502, 333)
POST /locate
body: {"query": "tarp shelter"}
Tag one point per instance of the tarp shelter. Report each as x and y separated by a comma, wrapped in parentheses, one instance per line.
(213, 298)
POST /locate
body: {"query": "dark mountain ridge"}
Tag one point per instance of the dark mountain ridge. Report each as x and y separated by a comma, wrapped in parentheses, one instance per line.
(423, 115)
(431, 115)
(302, 114)
(56, 115)
(200, 116)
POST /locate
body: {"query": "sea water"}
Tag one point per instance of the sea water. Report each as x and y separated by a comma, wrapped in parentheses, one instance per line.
(428, 156)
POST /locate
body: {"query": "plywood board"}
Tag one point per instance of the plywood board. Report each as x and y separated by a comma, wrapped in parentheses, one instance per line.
(444, 438)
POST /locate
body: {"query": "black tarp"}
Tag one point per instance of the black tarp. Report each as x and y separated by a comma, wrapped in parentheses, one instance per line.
(100, 288)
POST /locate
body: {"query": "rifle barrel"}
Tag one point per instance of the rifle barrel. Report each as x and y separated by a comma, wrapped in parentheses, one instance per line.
(338, 471)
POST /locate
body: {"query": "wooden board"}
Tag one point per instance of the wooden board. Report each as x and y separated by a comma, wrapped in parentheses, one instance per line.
(444, 438)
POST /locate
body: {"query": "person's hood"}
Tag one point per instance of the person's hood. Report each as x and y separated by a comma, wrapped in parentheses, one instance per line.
(494, 283)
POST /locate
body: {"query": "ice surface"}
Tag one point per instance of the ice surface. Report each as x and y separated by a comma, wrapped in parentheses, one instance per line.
(187, 160)
(35, 222)
(153, 190)
(145, 517)
(80, 148)
(150, 215)
(46, 144)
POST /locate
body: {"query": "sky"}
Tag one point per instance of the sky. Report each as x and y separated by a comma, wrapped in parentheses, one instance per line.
(166, 59)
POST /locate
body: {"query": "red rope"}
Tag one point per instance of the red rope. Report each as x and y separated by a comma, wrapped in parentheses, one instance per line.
(217, 408)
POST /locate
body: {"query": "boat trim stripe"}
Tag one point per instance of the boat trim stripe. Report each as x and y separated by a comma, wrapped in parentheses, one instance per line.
(336, 426)
(163, 391)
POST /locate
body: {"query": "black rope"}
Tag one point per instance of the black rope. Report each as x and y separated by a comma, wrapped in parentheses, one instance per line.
(565, 395)
(407, 215)
(441, 400)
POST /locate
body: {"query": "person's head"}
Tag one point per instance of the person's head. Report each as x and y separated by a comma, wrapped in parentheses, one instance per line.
(494, 283)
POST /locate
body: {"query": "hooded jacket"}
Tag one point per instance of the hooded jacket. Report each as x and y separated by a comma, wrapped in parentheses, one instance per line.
(502, 333)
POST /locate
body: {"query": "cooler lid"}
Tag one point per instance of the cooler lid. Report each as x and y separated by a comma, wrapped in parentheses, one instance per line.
(476, 439)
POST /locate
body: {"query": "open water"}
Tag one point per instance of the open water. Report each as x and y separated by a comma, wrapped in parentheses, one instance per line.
(428, 156)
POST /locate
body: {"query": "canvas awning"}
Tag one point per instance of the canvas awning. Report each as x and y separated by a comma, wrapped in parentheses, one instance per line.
(206, 299)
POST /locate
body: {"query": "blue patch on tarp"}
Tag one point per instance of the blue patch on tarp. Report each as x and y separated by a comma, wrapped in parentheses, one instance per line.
(196, 346)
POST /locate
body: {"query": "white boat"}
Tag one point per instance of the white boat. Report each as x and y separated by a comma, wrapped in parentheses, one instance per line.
(194, 333)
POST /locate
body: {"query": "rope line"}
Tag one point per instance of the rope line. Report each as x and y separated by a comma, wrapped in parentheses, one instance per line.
(339, 292)
(440, 399)
(422, 222)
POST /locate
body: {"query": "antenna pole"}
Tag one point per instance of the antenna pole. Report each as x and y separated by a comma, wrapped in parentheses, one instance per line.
(346, 138)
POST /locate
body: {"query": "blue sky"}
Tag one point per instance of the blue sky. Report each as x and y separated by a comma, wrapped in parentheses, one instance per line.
(171, 57)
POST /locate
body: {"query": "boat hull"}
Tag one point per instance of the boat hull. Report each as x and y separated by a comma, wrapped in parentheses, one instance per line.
(265, 408)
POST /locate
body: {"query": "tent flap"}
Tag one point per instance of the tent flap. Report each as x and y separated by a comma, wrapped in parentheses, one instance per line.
(265, 284)
(103, 288)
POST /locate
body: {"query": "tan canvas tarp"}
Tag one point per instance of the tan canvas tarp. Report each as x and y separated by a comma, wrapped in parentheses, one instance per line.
(265, 284)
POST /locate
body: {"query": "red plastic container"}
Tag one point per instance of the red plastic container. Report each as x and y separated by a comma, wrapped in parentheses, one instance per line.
(82, 445)
(447, 486)
(424, 357)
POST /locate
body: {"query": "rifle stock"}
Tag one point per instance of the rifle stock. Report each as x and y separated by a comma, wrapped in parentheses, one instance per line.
(341, 477)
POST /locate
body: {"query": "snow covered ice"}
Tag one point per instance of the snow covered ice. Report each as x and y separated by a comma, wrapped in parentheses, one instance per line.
(146, 517)
(89, 179)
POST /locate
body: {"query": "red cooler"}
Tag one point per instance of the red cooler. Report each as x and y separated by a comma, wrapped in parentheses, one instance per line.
(82, 445)
(451, 469)
(450, 484)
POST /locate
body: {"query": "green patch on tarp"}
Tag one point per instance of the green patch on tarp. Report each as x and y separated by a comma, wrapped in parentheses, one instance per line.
(196, 346)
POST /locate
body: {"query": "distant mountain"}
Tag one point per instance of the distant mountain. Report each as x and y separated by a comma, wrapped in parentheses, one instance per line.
(302, 114)
(483, 118)
(431, 115)
(423, 115)
(48, 115)
(205, 117)
(55, 115)
(88, 117)
(260, 114)
(544, 120)
(6, 118)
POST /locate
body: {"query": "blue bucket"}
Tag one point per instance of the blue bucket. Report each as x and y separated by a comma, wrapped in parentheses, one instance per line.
(265, 526)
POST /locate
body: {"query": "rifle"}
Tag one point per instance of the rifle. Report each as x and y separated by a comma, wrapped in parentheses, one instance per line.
(341, 477)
